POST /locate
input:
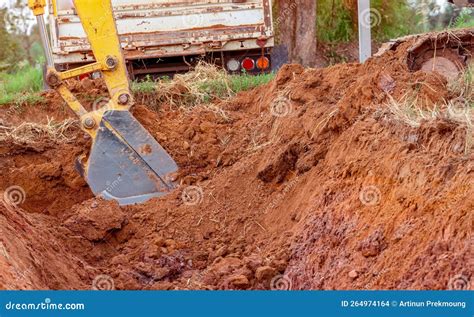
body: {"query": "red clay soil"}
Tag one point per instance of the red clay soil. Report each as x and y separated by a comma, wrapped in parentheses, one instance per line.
(309, 182)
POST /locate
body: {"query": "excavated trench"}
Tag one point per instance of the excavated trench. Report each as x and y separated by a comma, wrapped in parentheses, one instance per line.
(314, 181)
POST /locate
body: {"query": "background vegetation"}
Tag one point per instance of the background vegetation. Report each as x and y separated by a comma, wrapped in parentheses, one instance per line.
(21, 57)
(337, 19)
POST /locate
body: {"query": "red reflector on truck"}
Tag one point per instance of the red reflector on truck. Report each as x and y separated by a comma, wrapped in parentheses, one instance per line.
(248, 63)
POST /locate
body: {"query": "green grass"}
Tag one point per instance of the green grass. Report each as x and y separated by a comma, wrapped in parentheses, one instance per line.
(218, 87)
(21, 86)
(246, 82)
(221, 87)
(465, 19)
(337, 23)
(234, 84)
(146, 86)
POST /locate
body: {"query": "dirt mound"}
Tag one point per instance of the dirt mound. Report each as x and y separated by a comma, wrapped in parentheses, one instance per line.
(309, 182)
(32, 256)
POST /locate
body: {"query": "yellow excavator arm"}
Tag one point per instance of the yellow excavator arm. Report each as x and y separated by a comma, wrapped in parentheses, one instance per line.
(99, 25)
(37, 6)
(123, 153)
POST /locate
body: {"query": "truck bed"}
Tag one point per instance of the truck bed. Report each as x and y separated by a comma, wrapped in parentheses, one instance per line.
(167, 28)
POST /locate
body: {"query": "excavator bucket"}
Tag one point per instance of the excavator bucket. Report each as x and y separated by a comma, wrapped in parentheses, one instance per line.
(126, 164)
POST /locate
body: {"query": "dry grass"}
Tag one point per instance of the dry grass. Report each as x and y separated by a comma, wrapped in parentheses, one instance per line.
(463, 86)
(30, 133)
(322, 124)
(459, 109)
(189, 90)
(217, 111)
(202, 86)
(408, 111)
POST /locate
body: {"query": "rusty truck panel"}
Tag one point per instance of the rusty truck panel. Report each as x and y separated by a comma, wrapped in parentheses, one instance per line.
(166, 28)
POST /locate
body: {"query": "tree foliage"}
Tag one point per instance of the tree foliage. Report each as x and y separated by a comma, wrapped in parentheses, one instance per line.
(19, 36)
(337, 19)
(12, 51)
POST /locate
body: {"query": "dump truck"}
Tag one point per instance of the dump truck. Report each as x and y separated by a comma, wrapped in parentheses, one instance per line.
(160, 37)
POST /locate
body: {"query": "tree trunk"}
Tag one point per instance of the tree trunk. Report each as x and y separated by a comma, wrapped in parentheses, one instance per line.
(296, 22)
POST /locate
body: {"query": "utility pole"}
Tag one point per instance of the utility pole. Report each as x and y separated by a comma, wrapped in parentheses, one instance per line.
(365, 25)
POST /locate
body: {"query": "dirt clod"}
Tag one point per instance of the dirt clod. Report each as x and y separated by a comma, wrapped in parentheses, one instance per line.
(265, 273)
(353, 274)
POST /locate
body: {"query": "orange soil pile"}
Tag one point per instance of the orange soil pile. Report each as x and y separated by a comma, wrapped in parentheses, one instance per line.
(309, 182)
